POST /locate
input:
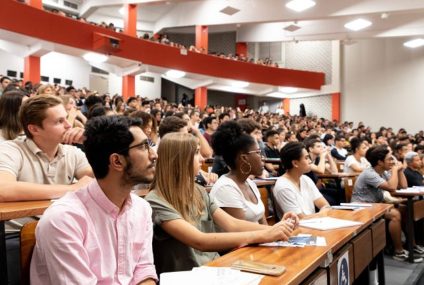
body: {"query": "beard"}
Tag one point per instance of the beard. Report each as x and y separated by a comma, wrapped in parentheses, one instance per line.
(133, 177)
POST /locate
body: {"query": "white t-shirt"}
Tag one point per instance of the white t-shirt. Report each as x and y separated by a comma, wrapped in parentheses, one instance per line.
(227, 194)
(289, 198)
(350, 160)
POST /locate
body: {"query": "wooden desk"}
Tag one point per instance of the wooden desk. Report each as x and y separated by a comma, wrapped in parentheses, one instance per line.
(15, 210)
(412, 211)
(264, 182)
(301, 262)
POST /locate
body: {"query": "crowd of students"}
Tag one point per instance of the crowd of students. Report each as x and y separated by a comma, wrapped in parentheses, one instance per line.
(93, 150)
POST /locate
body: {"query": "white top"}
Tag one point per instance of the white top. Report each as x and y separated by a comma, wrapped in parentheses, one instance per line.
(226, 193)
(351, 160)
(289, 198)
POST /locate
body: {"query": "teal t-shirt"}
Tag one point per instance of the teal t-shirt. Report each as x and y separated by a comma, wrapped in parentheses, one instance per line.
(169, 253)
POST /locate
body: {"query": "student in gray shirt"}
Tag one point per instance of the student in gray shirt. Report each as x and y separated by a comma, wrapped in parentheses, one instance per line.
(385, 174)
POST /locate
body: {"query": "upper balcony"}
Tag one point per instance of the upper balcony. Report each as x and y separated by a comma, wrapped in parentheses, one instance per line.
(25, 20)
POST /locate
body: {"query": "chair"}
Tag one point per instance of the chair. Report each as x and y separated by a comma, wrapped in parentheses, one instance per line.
(27, 247)
(265, 198)
(349, 183)
(340, 165)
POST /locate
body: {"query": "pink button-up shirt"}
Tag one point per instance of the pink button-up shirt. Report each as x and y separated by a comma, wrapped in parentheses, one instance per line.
(83, 238)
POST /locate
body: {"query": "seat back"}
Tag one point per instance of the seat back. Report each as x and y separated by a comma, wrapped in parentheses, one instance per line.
(349, 183)
(27, 247)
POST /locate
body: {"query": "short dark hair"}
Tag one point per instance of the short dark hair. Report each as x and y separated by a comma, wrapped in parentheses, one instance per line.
(221, 116)
(310, 142)
(327, 137)
(207, 121)
(229, 140)
(270, 133)
(106, 135)
(4, 78)
(171, 124)
(339, 137)
(376, 154)
(131, 99)
(249, 125)
(92, 100)
(291, 151)
(355, 143)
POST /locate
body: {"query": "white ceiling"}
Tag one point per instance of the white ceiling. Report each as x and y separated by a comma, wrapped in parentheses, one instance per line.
(263, 20)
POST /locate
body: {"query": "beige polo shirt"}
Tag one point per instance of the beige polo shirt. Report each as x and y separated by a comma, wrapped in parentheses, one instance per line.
(29, 164)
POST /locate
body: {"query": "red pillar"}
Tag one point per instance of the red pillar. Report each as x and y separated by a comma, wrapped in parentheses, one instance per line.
(201, 97)
(286, 105)
(241, 49)
(32, 69)
(128, 86)
(32, 63)
(335, 106)
(130, 28)
(36, 3)
(201, 93)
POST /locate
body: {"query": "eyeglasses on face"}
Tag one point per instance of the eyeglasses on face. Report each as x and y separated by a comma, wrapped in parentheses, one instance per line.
(144, 145)
(257, 151)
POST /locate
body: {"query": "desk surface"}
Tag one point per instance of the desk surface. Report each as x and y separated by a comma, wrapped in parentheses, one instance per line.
(338, 175)
(301, 262)
(16, 210)
(407, 194)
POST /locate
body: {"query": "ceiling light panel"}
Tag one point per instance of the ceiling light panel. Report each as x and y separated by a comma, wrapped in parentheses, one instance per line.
(414, 43)
(358, 24)
(175, 74)
(300, 5)
(95, 57)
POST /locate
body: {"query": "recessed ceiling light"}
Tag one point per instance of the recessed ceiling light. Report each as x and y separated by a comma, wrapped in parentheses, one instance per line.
(229, 10)
(95, 57)
(240, 84)
(288, 90)
(414, 43)
(300, 5)
(358, 24)
(175, 73)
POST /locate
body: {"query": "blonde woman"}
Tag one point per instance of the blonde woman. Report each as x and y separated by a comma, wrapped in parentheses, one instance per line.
(75, 117)
(184, 215)
(46, 89)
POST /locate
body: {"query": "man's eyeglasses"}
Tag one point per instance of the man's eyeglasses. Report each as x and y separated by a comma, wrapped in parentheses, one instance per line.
(144, 145)
(258, 151)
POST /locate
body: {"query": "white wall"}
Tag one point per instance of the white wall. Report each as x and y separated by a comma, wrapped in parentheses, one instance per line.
(10, 62)
(66, 67)
(147, 89)
(383, 84)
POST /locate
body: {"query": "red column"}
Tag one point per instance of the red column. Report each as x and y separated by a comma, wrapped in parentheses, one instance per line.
(201, 97)
(32, 69)
(130, 28)
(335, 106)
(286, 105)
(36, 3)
(201, 93)
(241, 49)
(32, 63)
(202, 38)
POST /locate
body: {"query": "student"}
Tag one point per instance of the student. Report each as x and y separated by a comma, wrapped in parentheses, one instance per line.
(10, 125)
(412, 174)
(272, 141)
(185, 234)
(294, 191)
(41, 167)
(338, 151)
(211, 124)
(234, 192)
(356, 162)
(384, 174)
(101, 234)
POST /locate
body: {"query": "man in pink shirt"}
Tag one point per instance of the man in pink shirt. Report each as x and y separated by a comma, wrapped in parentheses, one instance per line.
(101, 234)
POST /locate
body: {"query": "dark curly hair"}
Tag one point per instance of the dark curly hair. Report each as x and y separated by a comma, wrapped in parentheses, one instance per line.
(229, 140)
(106, 135)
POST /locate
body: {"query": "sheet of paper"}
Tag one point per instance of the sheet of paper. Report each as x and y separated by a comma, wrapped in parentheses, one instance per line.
(210, 276)
(327, 223)
(301, 240)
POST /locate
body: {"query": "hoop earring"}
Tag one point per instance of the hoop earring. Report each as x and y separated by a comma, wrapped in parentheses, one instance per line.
(248, 171)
